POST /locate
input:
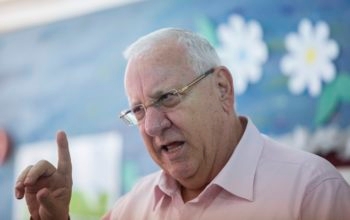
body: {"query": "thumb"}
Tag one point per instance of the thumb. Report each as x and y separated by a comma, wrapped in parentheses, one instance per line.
(49, 207)
(45, 199)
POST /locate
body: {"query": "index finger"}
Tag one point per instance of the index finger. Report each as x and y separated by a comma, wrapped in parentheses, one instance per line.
(64, 161)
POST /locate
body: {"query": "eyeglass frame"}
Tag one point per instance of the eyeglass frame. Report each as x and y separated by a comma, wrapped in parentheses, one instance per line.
(158, 101)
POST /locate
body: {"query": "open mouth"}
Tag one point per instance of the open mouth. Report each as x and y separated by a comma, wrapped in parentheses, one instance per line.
(172, 147)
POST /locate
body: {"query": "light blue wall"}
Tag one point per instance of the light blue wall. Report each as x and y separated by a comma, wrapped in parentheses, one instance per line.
(69, 74)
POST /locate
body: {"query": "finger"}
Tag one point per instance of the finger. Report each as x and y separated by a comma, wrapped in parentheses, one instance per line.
(48, 202)
(64, 161)
(41, 169)
(19, 187)
(43, 197)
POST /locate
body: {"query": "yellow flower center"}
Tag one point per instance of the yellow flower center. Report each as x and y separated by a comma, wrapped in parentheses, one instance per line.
(310, 56)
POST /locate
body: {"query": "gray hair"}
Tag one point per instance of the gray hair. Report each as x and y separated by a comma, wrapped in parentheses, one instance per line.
(200, 54)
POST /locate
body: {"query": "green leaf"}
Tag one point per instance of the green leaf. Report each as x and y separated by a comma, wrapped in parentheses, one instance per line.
(207, 29)
(327, 103)
(343, 87)
(333, 93)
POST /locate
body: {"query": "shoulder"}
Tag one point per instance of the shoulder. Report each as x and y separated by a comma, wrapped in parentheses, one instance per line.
(147, 181)
(144, 186)
(306, 166)
(139, 198)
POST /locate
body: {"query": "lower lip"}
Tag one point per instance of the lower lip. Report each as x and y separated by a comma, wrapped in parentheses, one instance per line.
(174, 153)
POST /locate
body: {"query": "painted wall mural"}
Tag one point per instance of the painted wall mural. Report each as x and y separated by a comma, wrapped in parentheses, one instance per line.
(309, 61)
(289, 59)
(242, 49)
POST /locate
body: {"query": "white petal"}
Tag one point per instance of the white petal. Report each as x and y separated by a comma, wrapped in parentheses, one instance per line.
(293, 42)
(237, 23)
(288, 65)
(224, 34)
(327, 71)
(239, 85)
(258, 51)
(263, 55)
(305, 30)
(314, 87)
(332, 49)
(321, 31)
(254, 30)
(296, 84)
(254, 73)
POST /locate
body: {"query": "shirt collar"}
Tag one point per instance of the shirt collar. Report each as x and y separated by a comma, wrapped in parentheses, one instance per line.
(165, 186)
(237, 177)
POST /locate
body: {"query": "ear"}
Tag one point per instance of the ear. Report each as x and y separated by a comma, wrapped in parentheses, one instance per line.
(224, 88)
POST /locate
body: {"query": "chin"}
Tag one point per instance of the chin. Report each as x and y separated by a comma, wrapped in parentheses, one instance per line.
(181, 173)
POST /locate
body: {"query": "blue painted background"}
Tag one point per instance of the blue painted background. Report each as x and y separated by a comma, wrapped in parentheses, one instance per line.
(69, 74)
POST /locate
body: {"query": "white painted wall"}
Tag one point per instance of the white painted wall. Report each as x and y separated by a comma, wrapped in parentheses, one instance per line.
(17, 14)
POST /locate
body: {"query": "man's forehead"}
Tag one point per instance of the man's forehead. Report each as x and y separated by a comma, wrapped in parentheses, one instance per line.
(155, 79)
(158, 68)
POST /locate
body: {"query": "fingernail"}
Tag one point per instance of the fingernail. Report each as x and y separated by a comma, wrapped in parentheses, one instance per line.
(17, 195)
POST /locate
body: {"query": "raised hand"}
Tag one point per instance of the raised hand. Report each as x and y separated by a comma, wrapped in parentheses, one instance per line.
(47, 189)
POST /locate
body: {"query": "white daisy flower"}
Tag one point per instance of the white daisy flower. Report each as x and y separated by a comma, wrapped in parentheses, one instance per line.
(309, 59)
(242, 50)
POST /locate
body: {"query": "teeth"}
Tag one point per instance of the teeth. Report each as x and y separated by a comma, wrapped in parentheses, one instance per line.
(172, 149)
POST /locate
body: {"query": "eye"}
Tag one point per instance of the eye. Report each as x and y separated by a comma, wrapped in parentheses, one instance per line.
(138, 111)
(169, 99)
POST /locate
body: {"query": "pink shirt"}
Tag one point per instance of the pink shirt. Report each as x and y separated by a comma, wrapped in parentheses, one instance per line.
(262, 180)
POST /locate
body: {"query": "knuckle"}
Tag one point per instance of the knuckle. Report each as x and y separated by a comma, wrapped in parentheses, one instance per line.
(24, 173)
(41, 163)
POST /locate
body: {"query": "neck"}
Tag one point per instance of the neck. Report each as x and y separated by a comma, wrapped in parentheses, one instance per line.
(189, 194)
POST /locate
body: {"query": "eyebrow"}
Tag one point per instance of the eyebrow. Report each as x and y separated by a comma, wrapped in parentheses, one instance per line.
(158, 95)
(150, 99)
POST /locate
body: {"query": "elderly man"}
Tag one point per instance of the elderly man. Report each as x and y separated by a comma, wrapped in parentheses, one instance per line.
(214, 163)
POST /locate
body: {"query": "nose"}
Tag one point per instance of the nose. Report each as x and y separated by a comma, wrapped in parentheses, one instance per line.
(155, 122)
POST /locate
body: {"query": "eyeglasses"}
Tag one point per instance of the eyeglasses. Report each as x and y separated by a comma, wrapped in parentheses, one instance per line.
(165, 102)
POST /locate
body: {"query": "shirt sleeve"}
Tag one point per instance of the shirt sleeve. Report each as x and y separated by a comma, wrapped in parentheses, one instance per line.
(329, 200)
